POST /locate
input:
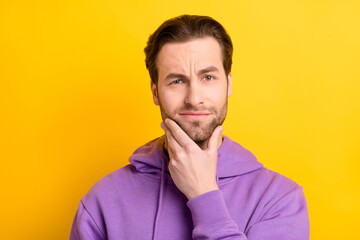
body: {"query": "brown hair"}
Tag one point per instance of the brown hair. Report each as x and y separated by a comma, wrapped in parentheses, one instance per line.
(184, 28)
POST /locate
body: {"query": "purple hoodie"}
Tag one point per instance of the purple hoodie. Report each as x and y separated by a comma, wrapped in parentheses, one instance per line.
(140, 201)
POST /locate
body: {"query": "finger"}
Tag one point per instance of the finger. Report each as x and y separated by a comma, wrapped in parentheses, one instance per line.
(173, 145)
(180, 136)
(215, 136)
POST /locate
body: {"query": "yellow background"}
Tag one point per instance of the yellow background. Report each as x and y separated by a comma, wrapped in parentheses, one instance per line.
(76, 101)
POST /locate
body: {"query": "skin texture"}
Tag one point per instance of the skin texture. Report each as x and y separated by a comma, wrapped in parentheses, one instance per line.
(192, 92)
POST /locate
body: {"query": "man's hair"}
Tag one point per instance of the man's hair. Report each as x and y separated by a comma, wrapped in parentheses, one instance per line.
(185, 28)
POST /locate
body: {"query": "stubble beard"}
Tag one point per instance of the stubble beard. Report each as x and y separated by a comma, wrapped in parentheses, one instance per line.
(198, 131)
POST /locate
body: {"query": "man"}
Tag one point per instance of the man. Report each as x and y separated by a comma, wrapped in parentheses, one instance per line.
(192, 183)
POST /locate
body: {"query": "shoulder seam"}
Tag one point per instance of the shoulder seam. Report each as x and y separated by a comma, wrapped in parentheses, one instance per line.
(297, 188)
(98, 228)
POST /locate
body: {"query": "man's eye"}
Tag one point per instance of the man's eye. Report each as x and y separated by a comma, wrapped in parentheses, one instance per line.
(208, 78)
(176, 81)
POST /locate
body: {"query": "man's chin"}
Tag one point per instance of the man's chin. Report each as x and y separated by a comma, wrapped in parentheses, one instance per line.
(199, 131)
(198, 134)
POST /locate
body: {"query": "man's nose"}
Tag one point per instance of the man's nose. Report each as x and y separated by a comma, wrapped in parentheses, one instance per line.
(194, 94)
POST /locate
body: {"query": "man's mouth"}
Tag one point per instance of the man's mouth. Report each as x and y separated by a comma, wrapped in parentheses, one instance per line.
(195, 116)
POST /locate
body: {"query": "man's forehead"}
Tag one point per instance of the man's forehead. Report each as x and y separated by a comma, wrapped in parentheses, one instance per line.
(210, 44)
(199, 53)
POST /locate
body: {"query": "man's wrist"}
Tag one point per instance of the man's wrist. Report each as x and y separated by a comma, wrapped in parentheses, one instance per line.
(201, 192)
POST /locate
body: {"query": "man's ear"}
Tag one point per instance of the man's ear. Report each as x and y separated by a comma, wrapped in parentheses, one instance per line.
(154, 93)
(229, 79)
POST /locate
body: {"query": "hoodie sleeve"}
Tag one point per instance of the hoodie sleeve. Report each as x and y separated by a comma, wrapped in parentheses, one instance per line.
(84, 226)
(212, 219)
(287, 219)
(284, 219)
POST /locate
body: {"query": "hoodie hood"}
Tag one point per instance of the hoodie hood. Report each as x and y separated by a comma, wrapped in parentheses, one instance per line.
(233, 159)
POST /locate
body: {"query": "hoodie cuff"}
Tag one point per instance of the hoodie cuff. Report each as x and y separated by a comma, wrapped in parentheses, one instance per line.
(208, 209)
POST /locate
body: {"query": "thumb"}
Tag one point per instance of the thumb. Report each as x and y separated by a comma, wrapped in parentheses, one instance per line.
(215, 138)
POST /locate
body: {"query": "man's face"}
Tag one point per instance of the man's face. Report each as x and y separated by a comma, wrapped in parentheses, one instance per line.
(192, 86)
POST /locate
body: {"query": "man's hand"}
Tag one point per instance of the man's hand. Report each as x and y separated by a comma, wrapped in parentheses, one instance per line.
(192, 169)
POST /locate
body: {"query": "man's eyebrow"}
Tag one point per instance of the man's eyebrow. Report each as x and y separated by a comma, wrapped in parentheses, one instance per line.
(208, 69)
(175, 75)
(202, 71)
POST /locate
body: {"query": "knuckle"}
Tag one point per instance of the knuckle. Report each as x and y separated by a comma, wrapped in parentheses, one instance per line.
(189, 147)
(172, 164)
(178, 154)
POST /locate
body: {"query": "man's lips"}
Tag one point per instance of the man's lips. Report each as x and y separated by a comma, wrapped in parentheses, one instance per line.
(195, 115)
